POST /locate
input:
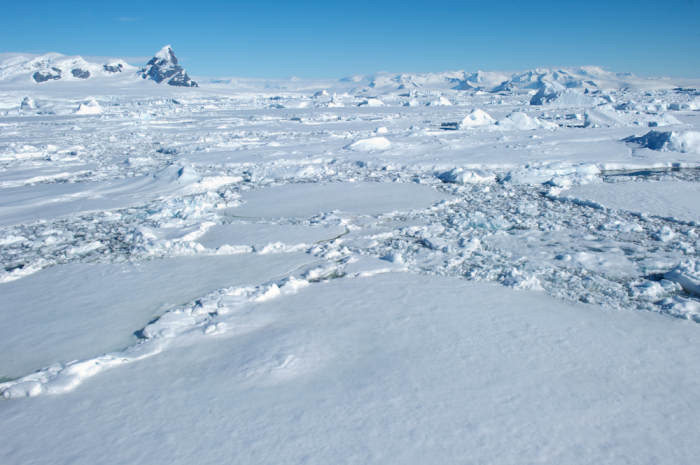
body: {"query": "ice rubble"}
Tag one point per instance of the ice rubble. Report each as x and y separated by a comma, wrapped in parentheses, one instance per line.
(687, 274)
(461, 176)
(519, 121)
(90, 108)
(552, 96)
(606, 116)
(677, 141)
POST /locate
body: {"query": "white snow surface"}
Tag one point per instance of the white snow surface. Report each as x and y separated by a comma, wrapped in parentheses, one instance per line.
(292, 270)
(666, 199)
(476, 117)
(394, 368)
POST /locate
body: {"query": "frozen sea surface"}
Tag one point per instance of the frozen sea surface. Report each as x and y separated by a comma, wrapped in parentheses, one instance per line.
(304, 200)
(397, 368)
(679, 200)
(72, 312)
(260, 275)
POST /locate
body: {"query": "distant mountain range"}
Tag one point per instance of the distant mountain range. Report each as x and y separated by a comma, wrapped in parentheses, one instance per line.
(591, 77)
(163, 67)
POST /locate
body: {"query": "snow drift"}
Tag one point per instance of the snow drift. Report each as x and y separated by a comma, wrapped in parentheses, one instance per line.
(607, 116)
(519, 121)
(476, 118)
(564, 98)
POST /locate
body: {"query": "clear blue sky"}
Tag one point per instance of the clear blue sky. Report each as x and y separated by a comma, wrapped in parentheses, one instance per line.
(332, 39)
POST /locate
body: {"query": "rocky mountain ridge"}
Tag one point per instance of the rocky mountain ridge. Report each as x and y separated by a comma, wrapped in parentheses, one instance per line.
(51, 67)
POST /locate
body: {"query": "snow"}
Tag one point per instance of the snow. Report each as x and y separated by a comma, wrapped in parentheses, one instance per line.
(88, 308)
(304, 200)
(90, 108)
(416, 358)
(375, 143)
(681, 141)
(475, 118)
(458, 175)
(606, 116)
(288, 270)
(687, 274)
(519, 121)
(564, 97)
(664, 199)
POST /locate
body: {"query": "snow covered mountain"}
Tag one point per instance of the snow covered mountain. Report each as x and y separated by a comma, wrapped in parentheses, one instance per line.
(592, 77)
(163, 67)
(55, 67)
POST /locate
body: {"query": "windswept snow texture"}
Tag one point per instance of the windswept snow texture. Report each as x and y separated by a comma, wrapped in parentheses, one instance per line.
(448, 267)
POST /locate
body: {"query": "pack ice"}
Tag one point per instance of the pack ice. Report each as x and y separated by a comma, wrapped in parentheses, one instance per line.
(454, 267)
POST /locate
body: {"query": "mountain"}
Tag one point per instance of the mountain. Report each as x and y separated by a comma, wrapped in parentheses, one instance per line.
(54, 67)
(57, 67)
(164, 67)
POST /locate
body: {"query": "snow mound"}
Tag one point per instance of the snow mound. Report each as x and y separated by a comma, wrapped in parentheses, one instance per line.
(371, 102)
(476, 118)
(461, 176)
(90, 108)
(608, 117)
(692, 105)
(687, 274)
(177, 175)
(321, 93)
(566, 97)
(682, 141)
(374, 143)
(519, 121)
(441, 102)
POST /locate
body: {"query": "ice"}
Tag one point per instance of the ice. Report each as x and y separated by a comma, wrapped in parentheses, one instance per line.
(682, 141)
(90, 108)
(49, 201)
(606, 116)
(260, 235)
(520, 121)
(460, 176)
(305, 200)
(666, 199)
(687, 274)
(564, 97)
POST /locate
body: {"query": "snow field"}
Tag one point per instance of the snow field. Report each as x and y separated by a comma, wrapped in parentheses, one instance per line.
(281, 276)
(394, 368)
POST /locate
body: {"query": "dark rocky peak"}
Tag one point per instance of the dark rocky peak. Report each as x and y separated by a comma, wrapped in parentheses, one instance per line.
(505, 86)
(80, 73)
(113, 67)
(163, 67)
(47, 75)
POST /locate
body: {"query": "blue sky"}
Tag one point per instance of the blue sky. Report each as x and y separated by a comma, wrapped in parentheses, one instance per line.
(332, 39)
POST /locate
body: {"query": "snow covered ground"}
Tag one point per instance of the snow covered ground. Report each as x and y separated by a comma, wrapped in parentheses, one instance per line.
(454, 267)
